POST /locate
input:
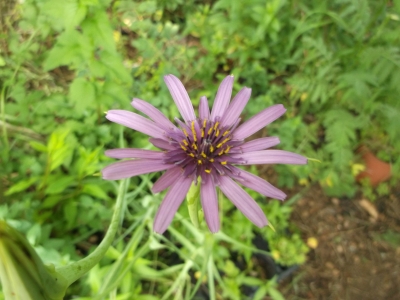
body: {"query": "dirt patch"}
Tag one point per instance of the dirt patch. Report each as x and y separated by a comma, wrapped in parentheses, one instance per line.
(353, 259)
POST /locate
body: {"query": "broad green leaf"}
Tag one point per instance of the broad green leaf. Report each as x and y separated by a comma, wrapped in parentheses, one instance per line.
(70, 214)
(82, 94)
(21, 186)
(58, 185)
(94, 190)
(51, 201)
(38, 146)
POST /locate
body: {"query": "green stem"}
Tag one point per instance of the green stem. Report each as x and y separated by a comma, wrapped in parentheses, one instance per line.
(3, 117)
(211, 284)
(77, 269)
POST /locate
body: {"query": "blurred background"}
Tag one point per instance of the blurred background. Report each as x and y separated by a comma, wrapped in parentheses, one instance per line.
(335, 65)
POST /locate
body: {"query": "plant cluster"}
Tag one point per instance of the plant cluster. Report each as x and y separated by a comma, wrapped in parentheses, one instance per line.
(335, 65)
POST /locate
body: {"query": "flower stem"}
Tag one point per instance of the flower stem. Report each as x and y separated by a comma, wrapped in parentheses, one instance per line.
(2, 111)
(77, 269)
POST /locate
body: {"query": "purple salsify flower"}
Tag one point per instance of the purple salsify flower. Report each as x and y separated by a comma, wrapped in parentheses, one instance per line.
(208, 146)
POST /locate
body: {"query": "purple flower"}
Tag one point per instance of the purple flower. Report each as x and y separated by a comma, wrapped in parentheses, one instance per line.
(208, 146)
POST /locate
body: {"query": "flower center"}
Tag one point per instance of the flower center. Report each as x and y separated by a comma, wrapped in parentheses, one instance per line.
(206, 144)
(203, 147)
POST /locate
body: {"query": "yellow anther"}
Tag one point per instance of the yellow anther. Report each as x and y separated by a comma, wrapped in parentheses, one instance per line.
(227, 149)
(212, 160)
(216, 125)
(184, 149)
(185, 142)
(191, 154)
(211, 149)
(194, 132)
(223, 162)
(210, 130)
(208, 171)
(185, 132)
(225, 133)
(204, 123)
(203, 154)
(194, 146)
(223, 142)
(199, 162)
(202, 132)
(221, 152)
(217, 133)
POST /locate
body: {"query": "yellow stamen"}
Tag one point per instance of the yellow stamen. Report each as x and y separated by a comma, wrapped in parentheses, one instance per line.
(223, 162)
(207, 171)
(191, 154)
(185, 142)
(225, 133)
(194, 132)
(211, 149)
(223, 142)
(217, 133)
(203, 154)
(221, 152)
(185, 132)
(212, 160)
(216, 125)
(227, 149)
(202, 132)
(184, 149)
(194, 146)
(210, 130)
(204, 123)
(199, 162)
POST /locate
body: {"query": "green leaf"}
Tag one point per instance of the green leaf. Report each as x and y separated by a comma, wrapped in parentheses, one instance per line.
(94, 190)
(82, 94)
(70, 213)
(58, 185)
(275, 294)
(66, 51)
(21, 186)
(50, 201)
(38, 146)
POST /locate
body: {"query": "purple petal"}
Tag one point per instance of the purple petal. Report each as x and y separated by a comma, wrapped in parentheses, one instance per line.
(162, 144)
(236, 107)
(204, 110)
(134, 153)
(271, 157)
(223, 97)
(181, 97)
(171, 203)
(259, 121)
(258, 184)
(167, 179)
(130, 168)
(153, 113)
(136, 122)
(259, 144)
(242, 200)
(209, 202)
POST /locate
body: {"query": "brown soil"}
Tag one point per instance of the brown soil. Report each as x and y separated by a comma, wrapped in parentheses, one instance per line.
(352, 260)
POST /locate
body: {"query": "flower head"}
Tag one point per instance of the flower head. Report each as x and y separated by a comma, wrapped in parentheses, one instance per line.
(208, 146)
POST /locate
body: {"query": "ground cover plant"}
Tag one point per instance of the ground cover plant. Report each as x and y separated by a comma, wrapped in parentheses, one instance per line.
(63, 64)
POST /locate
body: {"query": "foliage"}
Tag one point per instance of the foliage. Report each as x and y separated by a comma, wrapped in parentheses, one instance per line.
(335, 65)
